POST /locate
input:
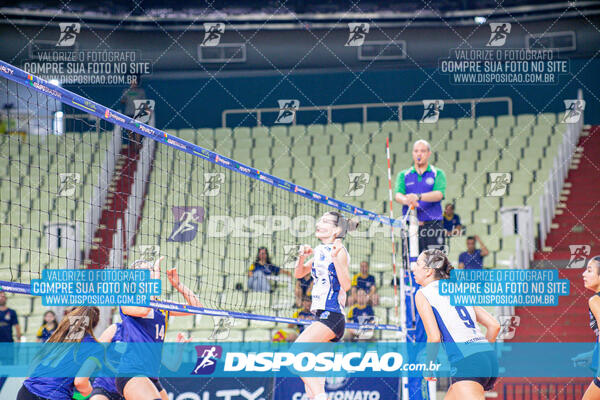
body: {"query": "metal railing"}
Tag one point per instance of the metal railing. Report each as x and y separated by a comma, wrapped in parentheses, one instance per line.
(399, 106)
(544, 391)
(558, 174)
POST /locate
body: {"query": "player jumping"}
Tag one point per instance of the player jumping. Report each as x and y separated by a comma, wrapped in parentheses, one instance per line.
(329, 269)
(591, 281)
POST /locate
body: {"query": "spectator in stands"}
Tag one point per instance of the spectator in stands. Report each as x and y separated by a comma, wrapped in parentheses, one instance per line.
(303, 288)
(132, 93)
(261, 269)
(472, 258)
(452, 223)
(360, 313)
(48, 327)
(8, 320)
(422, 186)
(366, 281)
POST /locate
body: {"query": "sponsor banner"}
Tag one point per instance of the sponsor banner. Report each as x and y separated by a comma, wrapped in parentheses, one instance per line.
(341, 388)
(265, 359)
(218, 388)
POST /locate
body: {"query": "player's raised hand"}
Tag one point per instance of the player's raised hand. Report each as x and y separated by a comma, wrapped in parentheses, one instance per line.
(173, 277)
(337, 247)
(182, 339)
(305, 250)
(156, 268)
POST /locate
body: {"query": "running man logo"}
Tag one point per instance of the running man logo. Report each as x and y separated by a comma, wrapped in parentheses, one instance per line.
(212, 183)
(221, 328)
(358, 183)
(143, 110)
(77, 326)
(291, 252)
(573, 111)
(443, 247)
(287, 111)
(207, 359)
(431, 112)
(68, 33)
(508, 326)
(500, 31)
(68, 184)
(498, 183)
(186, 223)
(358, 33)
(579, 255)
(149, 253)
(212, 34)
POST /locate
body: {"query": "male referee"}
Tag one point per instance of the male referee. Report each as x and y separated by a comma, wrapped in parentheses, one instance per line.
(423, 187)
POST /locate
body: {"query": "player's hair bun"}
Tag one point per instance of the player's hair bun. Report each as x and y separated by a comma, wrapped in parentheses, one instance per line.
(346, 225)
(438, 261)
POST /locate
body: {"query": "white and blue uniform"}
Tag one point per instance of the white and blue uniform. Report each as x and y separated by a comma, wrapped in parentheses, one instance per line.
(327, 293)
(457, 324)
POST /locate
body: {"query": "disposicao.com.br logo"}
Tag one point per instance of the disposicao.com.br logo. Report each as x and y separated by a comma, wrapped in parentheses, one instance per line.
(350, 362)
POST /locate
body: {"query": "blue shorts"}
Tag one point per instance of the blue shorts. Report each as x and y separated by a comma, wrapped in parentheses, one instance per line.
(486, 363)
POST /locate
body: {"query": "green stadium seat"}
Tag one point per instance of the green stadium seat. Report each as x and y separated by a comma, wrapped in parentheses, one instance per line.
(314, 130)
(465, 123)
(257, 335)
(352, 128)
(264, 325)
(369, 127)
(505, 121)
(333, 129)
(297, 130)
(486, 122)
(546, 119)
(263, 132)
(389, 127)
(526, 120)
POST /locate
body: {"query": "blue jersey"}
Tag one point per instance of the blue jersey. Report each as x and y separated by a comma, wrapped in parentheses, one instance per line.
(361, 315)
(113, 357)
(148, 329)
(365, 283)
(45, 384)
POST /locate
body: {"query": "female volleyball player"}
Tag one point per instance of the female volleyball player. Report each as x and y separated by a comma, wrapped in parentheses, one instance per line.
(146, 325)
(76, 327)
(450, 324)
(591, 281)
(329, 269)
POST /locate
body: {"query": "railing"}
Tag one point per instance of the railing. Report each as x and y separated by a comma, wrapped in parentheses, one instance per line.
(556, 179)
(365, 107)
(544, 391)
(94, 212)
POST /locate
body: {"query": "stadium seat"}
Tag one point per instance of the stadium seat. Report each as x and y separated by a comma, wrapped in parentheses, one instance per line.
(257, 335)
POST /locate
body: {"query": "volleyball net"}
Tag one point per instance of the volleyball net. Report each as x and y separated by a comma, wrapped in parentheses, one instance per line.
(85, 186)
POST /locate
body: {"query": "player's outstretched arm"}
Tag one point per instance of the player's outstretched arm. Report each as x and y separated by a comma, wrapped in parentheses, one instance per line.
(489, 321)
(82, 381)
(172, 360)
(187, 293)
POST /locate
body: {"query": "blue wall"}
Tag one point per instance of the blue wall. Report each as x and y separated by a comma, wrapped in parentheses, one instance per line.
(212, 96)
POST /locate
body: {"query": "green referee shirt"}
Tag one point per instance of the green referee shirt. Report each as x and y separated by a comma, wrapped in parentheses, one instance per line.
(432, 179)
